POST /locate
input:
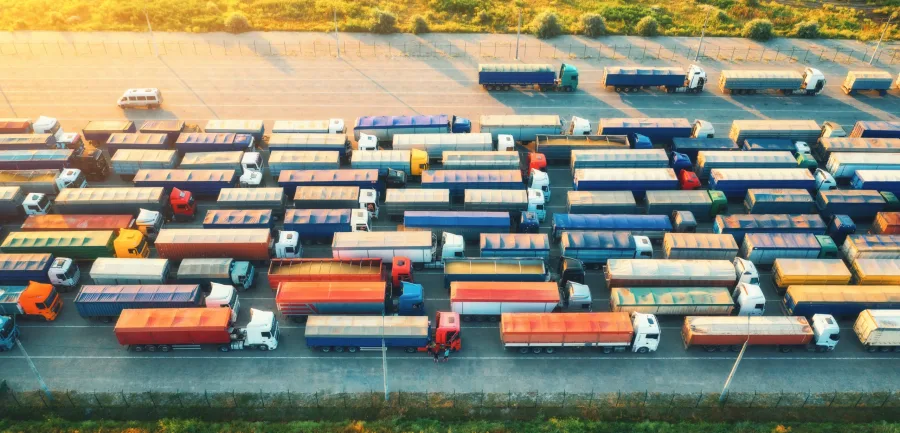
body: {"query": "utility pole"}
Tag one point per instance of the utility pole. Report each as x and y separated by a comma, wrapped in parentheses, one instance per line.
(384, 368)
(337, 39)
(518, 33)
(734, 368)
(703, 32)
(34, 370)
(877, 46)
(152, 38)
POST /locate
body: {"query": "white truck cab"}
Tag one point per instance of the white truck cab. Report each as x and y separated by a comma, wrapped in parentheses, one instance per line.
(452, 247)
(703, 129)
(578, 126)
(536, 203)
(824, 180)
(643, 248)
(64, 273)
(826, 332)
(359, 220)
(368, 200)
(813, 81)
(746, 271)
(832, 129)
(577, 297)
(48, 125)
(288, 245)
(335, 126)
(646, 333)
(540, 181)
(71, 178)
(223, 295)
(696, 78)
(36, 203)
(149, 223)
(749, 299)
(261, 333)
(367, 142)
(252, 166)
(801, 148)
(505, 143)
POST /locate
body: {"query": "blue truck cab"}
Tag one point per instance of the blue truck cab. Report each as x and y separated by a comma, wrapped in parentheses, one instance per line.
(411, 301)
(840, 227)
(460, 125)
(9, 332)
(529, 223)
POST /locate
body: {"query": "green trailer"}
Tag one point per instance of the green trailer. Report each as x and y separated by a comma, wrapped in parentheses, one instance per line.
(78, 245)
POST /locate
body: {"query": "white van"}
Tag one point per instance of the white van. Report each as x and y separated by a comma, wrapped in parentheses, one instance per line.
(132, 98)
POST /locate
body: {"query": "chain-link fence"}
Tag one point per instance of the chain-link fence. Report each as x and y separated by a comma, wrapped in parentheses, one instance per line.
(485, 50)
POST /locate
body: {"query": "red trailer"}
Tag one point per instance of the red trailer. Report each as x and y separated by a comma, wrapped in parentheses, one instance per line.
(295, 270)
(301, 299)
(16, 126)
(77, 222)
(723, 332)
(886, 223)
(240, 244)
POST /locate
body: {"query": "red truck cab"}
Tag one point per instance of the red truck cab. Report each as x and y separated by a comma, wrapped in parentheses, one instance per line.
(536, 161)
(447, 330)
(688, 180)
(401, 271)
(184, 208)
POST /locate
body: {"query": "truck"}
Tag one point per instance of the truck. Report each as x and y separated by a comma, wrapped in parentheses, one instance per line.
(79, 245)
(744, 82)
(12, 203)
(255, 128)
(355, 333)
(886, 223)
(244, 244)
(679, 273)
(20, 269)
(495, 269)
(761, 160)
(320, 225)
(875, 271)
(253, 198)
(624, 158)
(383, 128)
(469, 225)
(876, 81)
(691, 147)
(325, 126)
(525, 128)
(91, 162)
(177, 204)
(127, 162)
(638, 180)
(408, 163)
(212, 161)
(561, 148)
(96, 132)
(699, 246)
(871, 247)
(437, 143)
(601, 202)
(595, 248)
(747, 300)
(489, 300)
(735, 182)
(346, 270)
(844, 165)
(199, 182)
(423, 248)
(9, 333)
(875, 129)
(506, 245)
(704, 204)
(878, 180)
(764, 248)
(514, 202)
(788, 272)
(238, 219)
(34, 223)
(299, 300)
(651, 226)
(31, 300)
(741, 225)
(280, 160)
(479, 159)
(775, 200)
(609, 332)
(858, 204)
(223, 271)
(399, 200)
(105, 302)
(671, 79)
(137, 141)
(311, 142)
(459, 181)
(878, 330)
(830, 145)
(290, 180)
(658, 130)
(171, 128)
(210, 142)
(338, 197)
(45, 182)
(165, 329)
(502, 76)
(29, 141)
(717, 333)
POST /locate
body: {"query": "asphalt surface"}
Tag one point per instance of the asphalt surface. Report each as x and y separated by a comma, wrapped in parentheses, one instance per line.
(72, 353)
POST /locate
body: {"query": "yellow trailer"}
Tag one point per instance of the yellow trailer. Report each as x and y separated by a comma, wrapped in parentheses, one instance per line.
(876, 271)
(786, 272)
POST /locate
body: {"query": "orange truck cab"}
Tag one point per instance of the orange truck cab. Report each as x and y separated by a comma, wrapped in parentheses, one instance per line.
(184, 208)
(35, 299)
(536, 161)
(688, 180)
(401, 271)
(447, 331)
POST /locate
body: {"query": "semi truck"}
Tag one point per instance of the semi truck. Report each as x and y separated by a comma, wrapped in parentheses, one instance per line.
(511, 245)
(878, 180)
(105, 302)
(138, 141)
(716, 333)
(458, 181)
(383, 128)
(840, 301)
(691, 147)
(764, 248)
(761, 160)
(211, 142)
(300, 300)
(436, 144)
(43, 125)
(199, 182)
(79, 245)
(638, 180)
(479, 159)
(495, 269)
(96, 132)
(46, 182)
(704, 204)
(670, 79)
(774, 200)
(744, 82)
(399, 200)
(91, 162)
(746, 300)
(679, 273)
(615, 158)
(290, 180)
(320, 225)
(338, 197)
(171, 128)
(178, 205)
(844, 165)
(311, 142)
(871, 247)
(514, 202)
(788, 272)
(658, 130)
(741, 225)
(469, 225)
(255, 128)
(245, 244)
(601, 202)
(115, 271)
(343, 270)
(875, 271)
(735, 182)
(878, 330)
(423, 248)
(489, 300)
(830, 145)
(503, 76)
(876, 81)
(320, 126)
(875, 129)
(595, 248)
(699, 246)
(238, 219)
(651, 226)
(165, 329)
(857, 204)
(609, 332)
(408, 162)
(223, 271)
(886, 223)
(253, 198)
(20, 269)
(32, 300)
(127, 162)
(355, 333)
(280, 160)
(525, 128)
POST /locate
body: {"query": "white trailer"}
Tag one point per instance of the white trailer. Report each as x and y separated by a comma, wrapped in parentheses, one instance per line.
(46, 182)
(843, 165)
(526, 128)
(700, 246)
(421, 247)
(810, 82)
(806, 131)
(679, 273)
(330, 126)
(115, 271)
(303, 160)
(436, 144)
(878, 330)
(127, 162)
(708, 160)
(480, 160)
(213, 161)
(619, 158)
(871, 247)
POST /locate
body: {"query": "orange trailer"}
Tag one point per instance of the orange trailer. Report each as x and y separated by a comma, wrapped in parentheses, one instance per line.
(77, 222)
(547, 332)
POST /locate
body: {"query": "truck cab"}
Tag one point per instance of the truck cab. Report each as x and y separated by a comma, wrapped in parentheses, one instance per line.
(826, 332)
(646, 333)
(813, 81)
(460, 125)
(394, 178)
(184, 208)
(401, 271)
(684, 221)
(149, 223)
(447, 331)
(746, 271)
(71, 178)
(578, 126)
(262, 332)
(368, 200)
(540, 181)
(839, 227)
(131, 244)
(696, 78)
(568, 78)
(824, 180)
(569, 269)
(92, 163)
(48, 125)
(243, 274)
(749, 300)
(64, 273)
(702, 129)
(252, 166)
(36, 203)
(287, 246)
(9, 332)
(505, 143)
(536, 203)
(366, 143)
(575, 297)
(410, 301)
(35, 299)
(688, 180)
(452, 247)
(359, 220)
(832, 129)
(70, 140)
(680, 162)
(223, 295)
(528, 222)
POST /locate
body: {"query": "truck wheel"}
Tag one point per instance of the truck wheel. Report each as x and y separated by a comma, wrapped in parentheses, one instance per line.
(410, 350)
(326, 349)
(151, 348)
(164, 348)
(136, 348)
(263, 348)
(643, 350)
(353, 349)
(224, 348)
(339, 349)
(884, 349)
(523, 350)
(568, 89)
(106, 319)
(785, 349)
(710, 348)
(479, 318)
(871, 349)
(466, 318)
(506, 87)
(537, 350)
(550, 349)
(618, 90)
(607, 350)
(494, 319)
(735, 348)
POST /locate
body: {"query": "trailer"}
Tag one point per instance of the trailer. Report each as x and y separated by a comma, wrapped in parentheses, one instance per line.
(255, 128)
(699, 246)
(524, 128)
(383, 128)
(679, 273)
(480, 160)
(877, 180)
(11, 203)
(652, 226)
(311, 142)
(355, 333)
(105, 302)
(762, 160)
(788, 272)
(342, 270)
(764, 248)
(20, 269)
(735, 182)
(625, 158)
(47, 182)
(691, 147)
(75, 222)
(77, 245)
(48, 159)
(469, 225)
(320, 225)
(877, 81)
(561, 148)
(198, 182)
(670, 79)
(127, 162)
(495, 269)
(886, 223)
(290, 180)
(97, 132)
(171, 128)
(299, 300)
(658, 130)
(595, 248)
(423, 248)
(280, 160)
(845, 164)
(638, 180)
(682, 301)
(875, 271)
(165, 329)
(609, 332)
(830, 145)
(211, 142)
(337, 197)
(213, 161)
(138, 141)
(29, 142)
(773, 200)
(458, 181)
(111, 271)
(741, 225)
(209, 272)
(807, 131)
(875, 129)
(253, 198)
(325, 126)
(489, 300)
(502, 76)
(31, 300)
(857, 204)
(743, 82)
(102, 201)
(716, 333)
(238, 219)
(839, 301)
(601, 202)
(244, 244)
(525, 245)
(436, 144)
(411, 162)
(704, 204)
(514, 202)
(16, 126)
(878, 330)
(871, 247)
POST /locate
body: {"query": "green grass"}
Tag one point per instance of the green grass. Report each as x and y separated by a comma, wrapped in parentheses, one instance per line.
(497, 16)
(432, 426)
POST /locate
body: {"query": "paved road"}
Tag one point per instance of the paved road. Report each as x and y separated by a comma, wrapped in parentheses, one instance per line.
(73, 353)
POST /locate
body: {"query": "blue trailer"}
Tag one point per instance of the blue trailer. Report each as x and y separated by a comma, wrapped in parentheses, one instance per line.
(171, 128)
(239, 219)
(786, 201)
(210, 142)
(636, 180)
(503, 76)
(339, 333)
(658, 130)
(878, 180)
(769, 144)
(384, 127)
(740, 225)
(692, 146)
(469, 225)
(735, 182)
(136, 141)
(28, 142)
(363, 179)
(839, 301)
(199, 182)
(107, 301)
(672, 79)
(458, 181)
(19, 269)
(875, 129)
(515, 245)
(596, 247)
(653, 226)
(860, 205)
(45, 159)
(318, 224)
(255, 128)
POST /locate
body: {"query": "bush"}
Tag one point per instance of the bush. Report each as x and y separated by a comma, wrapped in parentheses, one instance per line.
(593, 25)
(750, 3)
(647, 26)
(418, 25)
(237, 22)
(483, 17)
(456, 6)
(212, 7)
(384, 22)
(758, 30)
(546, 25)
(807, 29)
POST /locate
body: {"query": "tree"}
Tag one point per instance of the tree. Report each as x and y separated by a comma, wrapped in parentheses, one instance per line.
(418, 25)
(758, 30)
(807, 29)
(384, 22)
(237, 22)
(647, 26)
(546, 25)
(593, 25)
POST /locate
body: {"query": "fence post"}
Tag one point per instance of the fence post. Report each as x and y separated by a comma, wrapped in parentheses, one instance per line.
(564, 399)
(591, 400)
(481, 402)
(124, 399)
(780, 396)
(206, 397)
(540, 49)
(629, 52)
(833, 398)
(752, 399)
(13, 395)
(808, 395)
(836, 52)
(618, 395)
(614, 53)
(584, 56)
(508, 399)
(698, 399)
(537, 399)
(644, 53)
(426, 393)
(672, 402)
(890, 393)
(317, 399)
(290, 402)
(69, 397)
(725, 400)
(234, 398)
(41, 395)
(733, 49)
(763, 54)
(97, 399)
(777, 52)
(858, 401)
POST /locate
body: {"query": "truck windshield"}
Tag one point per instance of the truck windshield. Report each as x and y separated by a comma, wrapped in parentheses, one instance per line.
(140, 248)
(233, 299)
(49, 301)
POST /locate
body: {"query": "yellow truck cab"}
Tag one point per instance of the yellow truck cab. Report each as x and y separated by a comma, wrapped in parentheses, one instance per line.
(131, 244)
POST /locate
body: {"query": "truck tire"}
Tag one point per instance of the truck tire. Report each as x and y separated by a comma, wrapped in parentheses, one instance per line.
(735, 348)
(607, 350)
(784, 349)
(339, 349)
(353, 349)
(537, 350)
(136, 348)
(871, 349)
(710, 348)
(325, 349)
(523, 350)
(618, 90)
(106, 319)
(165, 348)
(263, 348)
(224, 348)
(643, 350)
(550, 349)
